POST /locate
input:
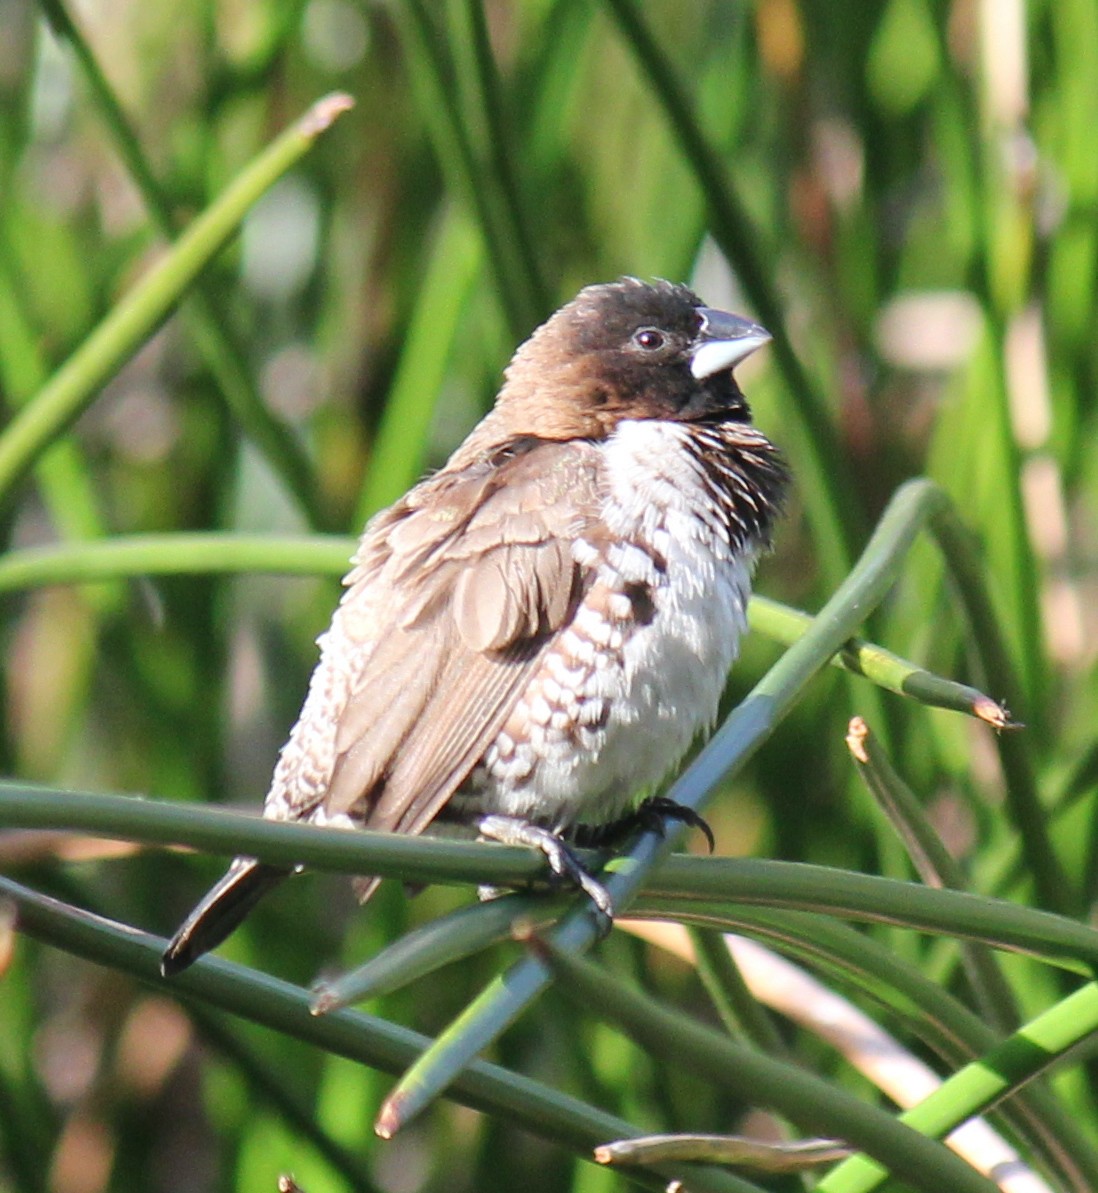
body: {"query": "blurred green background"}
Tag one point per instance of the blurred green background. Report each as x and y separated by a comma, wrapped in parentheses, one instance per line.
(904, 191)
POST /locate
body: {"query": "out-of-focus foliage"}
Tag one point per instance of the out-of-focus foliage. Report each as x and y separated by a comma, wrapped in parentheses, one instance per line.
(908, 187)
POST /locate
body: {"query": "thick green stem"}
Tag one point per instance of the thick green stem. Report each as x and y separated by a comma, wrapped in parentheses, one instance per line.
(365, 1039)
(746, 728)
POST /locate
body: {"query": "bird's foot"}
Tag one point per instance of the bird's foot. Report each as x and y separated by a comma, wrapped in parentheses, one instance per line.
(510, 830)
(652, 815)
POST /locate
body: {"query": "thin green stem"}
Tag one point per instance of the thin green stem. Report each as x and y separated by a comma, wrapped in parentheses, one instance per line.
(218, 552)
(365, 1039)
(835, 516)
(456, 263)
(746, 728)
(765, 884)
(212, 553)
(208, 325)
(871, 899)
(74, 386)
(934, 863)
(737, 1006)
(809, 1101)
(280, 1091)
(480, 84)
(62, 474)
(979, 1085)
(1054, 889)
(440, 942)
(781, 623)
(870, 969)
(862, 897)
(433, 78)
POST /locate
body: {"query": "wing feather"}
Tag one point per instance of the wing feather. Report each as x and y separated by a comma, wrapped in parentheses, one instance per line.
(451, 604)
(466, 714)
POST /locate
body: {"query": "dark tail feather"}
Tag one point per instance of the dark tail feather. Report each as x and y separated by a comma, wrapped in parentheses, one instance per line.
(364, 887)
(225, 905)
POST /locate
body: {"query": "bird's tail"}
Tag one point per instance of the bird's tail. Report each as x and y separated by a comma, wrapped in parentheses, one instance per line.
(222, 909)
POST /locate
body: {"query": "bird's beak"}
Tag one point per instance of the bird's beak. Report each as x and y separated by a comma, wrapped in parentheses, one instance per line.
(723, 341)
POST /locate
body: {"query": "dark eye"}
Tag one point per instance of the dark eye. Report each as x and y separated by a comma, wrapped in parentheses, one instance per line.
(651, 339)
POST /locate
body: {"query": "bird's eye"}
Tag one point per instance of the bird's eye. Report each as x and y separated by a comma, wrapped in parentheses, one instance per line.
(651, 339)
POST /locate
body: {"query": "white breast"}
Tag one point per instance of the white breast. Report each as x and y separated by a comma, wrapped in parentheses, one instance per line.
(619, 703)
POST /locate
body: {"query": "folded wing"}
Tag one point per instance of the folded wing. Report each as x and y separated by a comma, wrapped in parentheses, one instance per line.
(453, 599)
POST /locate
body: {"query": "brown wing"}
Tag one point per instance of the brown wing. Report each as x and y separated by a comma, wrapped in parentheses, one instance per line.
(454, 596)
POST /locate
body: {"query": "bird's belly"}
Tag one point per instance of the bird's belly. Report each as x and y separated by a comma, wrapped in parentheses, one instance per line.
(617, 703)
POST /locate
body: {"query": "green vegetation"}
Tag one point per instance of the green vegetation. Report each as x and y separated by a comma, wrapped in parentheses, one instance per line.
(237, 318)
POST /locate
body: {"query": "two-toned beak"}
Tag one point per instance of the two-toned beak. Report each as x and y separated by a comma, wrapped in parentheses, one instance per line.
(722, 341)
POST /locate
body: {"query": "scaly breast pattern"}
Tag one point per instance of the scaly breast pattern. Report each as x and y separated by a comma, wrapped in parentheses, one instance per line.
(640, 670)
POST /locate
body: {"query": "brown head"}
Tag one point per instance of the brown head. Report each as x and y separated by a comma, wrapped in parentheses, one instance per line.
(626, 350)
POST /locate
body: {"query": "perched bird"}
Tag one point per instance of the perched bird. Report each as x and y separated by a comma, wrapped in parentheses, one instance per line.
(532, 636)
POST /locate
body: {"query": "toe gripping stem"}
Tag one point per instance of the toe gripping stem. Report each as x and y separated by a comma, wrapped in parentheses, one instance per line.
(510, 830)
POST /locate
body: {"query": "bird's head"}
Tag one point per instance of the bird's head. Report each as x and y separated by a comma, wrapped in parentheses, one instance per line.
(627, 350)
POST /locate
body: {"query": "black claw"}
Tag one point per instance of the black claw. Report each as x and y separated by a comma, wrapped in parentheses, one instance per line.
(662, 809)
(652, 815)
